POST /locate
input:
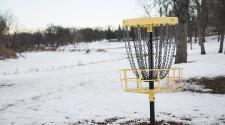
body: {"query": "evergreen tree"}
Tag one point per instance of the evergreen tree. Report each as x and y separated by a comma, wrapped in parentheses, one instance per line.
(119, 33)
(109, 34)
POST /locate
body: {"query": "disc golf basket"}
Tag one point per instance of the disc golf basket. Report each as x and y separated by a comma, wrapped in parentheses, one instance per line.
(150, 48)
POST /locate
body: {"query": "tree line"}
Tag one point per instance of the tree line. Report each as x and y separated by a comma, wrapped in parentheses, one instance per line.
(50, 38)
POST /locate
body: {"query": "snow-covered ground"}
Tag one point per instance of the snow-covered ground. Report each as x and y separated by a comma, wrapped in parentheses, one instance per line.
(67, 86)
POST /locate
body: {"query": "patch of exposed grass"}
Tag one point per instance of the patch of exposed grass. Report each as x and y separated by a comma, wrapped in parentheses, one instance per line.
(114, 120)
(216, 84)
(133, 122)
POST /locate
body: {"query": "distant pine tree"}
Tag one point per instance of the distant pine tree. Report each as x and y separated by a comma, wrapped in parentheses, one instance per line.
(119, 33)
(109, 34)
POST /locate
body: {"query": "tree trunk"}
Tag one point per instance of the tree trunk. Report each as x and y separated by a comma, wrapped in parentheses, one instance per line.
(221, 42)
(218, 39)
(196, 32)
(190, 33)
(201, 43)
(204, 33)
(201, 23)
(196, 29)
(181, 32)
(191, 43)
(201, 38)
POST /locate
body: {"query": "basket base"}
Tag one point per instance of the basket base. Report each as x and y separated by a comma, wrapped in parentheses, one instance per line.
(171, 83)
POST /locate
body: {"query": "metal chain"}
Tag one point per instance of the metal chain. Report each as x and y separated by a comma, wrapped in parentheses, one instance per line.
(139, 50)
(129, 50)
(144, 39)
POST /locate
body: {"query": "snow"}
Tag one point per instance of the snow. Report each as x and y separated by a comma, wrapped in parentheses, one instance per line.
(67, 86)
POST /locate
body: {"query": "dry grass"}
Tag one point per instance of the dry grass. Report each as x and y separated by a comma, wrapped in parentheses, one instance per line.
(114, 120)
(7, 53)
(216, 84)
(100, 50)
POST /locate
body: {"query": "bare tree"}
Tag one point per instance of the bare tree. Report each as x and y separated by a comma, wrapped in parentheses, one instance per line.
(202, 8)
(217, 20)
(5, 43)
(181, 11)
(219, 11)
(221, 41)
(146, 5)
(202, 18)
(190, 27)
(195, 29)
(192, 30)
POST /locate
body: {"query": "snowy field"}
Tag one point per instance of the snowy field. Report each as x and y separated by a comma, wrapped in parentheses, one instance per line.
(68, 86)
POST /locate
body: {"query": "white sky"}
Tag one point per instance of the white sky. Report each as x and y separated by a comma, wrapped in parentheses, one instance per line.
(78, 13)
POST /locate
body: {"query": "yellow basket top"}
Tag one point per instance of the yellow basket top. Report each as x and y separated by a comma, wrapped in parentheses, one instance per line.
(149, 22)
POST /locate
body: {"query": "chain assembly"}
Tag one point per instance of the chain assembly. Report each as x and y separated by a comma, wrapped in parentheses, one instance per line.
(139, 50)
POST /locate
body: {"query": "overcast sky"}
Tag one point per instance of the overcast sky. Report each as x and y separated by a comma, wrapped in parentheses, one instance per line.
(78, 13)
